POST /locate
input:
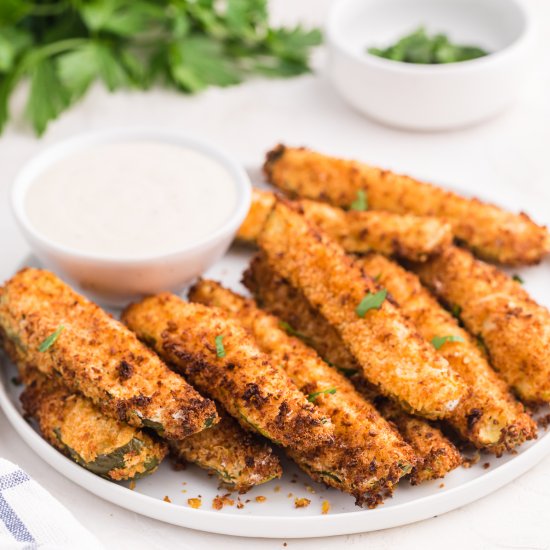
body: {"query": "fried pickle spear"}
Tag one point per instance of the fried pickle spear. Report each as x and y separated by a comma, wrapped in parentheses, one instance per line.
(392, 355)
(240, 460)
(374, 457)
(490, 417)
(220, 358)
(77, 428)
(44, 323)
(495, 308)
(436, 455)
(491, 232)
(411, 237)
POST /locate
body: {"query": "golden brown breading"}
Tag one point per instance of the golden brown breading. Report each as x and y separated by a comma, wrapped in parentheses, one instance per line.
(494, 307)
(274, 294)
(392, 354)
(411, 237)
(278, 296)
(490, 231)
(437, 456)
(235, 372)
(238, 458)
(374, 457)
(490, 417)
(77, 428)
(260, 208)
(97, 356)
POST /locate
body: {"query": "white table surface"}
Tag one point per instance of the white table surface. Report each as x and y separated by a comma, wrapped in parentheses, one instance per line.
(510, 152)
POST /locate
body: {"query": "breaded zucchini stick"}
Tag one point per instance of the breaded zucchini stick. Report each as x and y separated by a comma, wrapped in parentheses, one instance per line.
(412, 237)
(77, 428)
(490, 417)
(374, 457)
(260, 208)
(44, 323)
(220, 358)
(393, 356)
(240, 460)
(436, 457)
(496, 309)
(273, 293)
(491, 232)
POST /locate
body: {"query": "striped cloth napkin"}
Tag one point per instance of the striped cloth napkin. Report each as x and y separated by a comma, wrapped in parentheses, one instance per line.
(30, 518)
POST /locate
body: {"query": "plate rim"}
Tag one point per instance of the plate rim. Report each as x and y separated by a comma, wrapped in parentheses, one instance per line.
(275, 527)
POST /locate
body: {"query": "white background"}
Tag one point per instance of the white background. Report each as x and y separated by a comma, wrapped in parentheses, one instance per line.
(510, 152)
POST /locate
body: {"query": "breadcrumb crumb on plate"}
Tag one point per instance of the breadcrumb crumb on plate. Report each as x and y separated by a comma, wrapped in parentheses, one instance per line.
(301, 502)
(194, 502)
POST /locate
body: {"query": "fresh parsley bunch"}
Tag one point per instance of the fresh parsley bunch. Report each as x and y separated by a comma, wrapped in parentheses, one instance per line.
(63, 46)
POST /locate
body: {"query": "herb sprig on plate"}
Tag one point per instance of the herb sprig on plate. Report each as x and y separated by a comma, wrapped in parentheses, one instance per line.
(63, 46)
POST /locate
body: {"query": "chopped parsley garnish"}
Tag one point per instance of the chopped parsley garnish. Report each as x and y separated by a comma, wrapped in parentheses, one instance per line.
(419, 47)
(289, 328)
(313, 396)
(291, 331)
(456, 310)
(371, 301)
(220, 350)
(518, 279)
(360, 203)
(438, 341)
(50, 340)
(377, 278)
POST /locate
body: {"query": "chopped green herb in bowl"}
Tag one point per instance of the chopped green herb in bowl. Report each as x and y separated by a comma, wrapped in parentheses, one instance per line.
(421, 48)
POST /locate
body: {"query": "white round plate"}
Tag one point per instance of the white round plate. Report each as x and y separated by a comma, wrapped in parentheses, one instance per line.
(276, 516)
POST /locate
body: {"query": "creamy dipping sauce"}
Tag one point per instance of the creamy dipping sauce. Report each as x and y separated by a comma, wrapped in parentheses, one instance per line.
(131, 199)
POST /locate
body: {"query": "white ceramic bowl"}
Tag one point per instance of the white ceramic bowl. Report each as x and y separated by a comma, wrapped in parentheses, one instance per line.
(115, 281)
(428, 97)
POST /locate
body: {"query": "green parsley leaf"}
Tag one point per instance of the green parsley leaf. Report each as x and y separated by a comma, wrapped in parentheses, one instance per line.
(518, 279)
(50, 340)
(438, 341)
(48, 97)
(197, 62)
(12, 42)
(360, 203)
(377, 278)
(77, 69)
(220, 350)
(7, 83)
(289, 329)
(13, 11)
(313, 396)
(371, 301)
(292, 44)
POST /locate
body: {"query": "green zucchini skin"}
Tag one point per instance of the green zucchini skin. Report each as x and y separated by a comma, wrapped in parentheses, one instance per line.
(239, 459)
(74, 426)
